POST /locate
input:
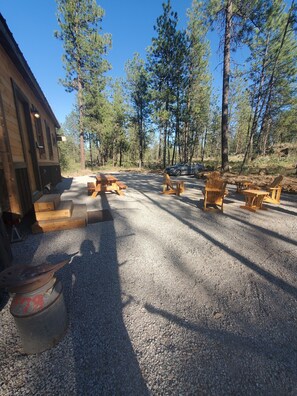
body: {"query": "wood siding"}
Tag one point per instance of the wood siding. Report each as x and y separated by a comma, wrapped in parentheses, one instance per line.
(32, 169)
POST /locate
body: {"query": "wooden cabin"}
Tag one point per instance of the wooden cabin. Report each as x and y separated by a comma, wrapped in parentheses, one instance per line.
(29, 158)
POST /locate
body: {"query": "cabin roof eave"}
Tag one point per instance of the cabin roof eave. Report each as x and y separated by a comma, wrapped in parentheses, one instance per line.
(13, 51)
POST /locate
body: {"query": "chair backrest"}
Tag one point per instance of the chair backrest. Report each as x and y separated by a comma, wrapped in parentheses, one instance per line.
(276, 181)
(167, 180)
(216, 182)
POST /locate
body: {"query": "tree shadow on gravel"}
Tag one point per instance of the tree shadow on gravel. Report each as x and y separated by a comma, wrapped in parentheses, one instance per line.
(64, 185)
(252, 265)
(105, 362)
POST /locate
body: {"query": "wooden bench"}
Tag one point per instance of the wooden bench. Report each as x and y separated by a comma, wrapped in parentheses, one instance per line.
(91, 187)
(121, 185)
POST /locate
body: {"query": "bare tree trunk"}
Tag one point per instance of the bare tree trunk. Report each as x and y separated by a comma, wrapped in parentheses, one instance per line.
(203, 145)
(226, 83)
(81, 126)
(160, 148)
(271, 80)
(91, 154)
(140, 137)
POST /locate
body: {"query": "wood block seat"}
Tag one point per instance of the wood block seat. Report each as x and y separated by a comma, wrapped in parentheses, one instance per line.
(63, 210)
(47, 202)
(52, 214)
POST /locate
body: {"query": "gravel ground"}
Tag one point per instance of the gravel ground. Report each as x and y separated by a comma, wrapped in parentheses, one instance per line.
(166, 299)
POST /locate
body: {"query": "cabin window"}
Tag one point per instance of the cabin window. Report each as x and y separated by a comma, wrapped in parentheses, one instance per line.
(40, 139)
(49, 142)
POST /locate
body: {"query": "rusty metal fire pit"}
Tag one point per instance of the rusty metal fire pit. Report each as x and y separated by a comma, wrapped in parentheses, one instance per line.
(24, 278)
(38, 304)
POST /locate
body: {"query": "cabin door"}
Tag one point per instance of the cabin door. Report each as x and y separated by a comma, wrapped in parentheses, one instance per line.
(28, 142)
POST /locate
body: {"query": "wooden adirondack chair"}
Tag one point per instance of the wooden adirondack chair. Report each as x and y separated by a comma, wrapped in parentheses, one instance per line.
(172, 187)
(274, 190)
(216, 175)
(214, 193)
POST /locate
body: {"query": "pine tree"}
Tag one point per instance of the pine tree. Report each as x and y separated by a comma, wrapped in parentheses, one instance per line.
(238, 18)
(161, 65)
(119, 143)
(273, 72)
(199, 80)
(139, 98)
(84, 47)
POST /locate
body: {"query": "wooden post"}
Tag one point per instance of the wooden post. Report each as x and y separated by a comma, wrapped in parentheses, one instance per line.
(7, 163)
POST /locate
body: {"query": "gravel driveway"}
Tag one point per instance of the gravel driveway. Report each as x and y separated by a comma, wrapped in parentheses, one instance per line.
(166, 299)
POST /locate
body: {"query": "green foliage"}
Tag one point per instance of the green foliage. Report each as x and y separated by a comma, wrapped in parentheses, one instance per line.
(139, 98)
(83, 58)
(162, 113)
(161, 62)
(199, 80)
(84, 46)
(69, 154)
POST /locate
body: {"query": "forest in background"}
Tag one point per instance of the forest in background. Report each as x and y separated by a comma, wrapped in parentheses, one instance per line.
(165, 110)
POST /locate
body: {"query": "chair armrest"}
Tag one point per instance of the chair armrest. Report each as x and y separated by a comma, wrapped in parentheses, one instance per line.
(275, 188)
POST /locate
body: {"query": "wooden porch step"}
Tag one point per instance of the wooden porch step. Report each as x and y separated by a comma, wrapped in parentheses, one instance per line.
(78, 219)
(47, 202)
(63, 210)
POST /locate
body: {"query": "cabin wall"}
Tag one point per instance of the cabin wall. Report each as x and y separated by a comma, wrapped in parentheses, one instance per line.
(31, 144)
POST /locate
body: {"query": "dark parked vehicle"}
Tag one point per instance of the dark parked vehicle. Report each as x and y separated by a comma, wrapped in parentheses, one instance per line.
(184, 169)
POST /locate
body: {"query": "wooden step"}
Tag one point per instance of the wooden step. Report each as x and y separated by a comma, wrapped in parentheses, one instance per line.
(63, 210)
(47, 202)
(77, 220)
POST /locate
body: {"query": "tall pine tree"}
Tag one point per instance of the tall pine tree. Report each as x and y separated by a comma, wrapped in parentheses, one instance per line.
(84, 47)
(139, 98)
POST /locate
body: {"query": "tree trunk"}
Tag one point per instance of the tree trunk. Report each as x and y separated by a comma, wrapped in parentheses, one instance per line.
(160, 147)
(91, 155)
(140, 138)
(226, 83)
(204, 145)
(81, 127)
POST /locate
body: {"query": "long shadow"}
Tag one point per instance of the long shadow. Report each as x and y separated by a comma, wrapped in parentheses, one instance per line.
(105, 362)
(282, 210)
(263, 230)
(65, 184)
(275, 280)
(230, 338)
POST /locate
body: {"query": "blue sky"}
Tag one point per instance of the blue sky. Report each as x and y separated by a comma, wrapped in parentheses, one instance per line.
(33, 22)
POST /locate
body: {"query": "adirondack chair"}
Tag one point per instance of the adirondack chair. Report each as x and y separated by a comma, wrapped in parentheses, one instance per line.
(216, 175)
(214, 193)
(172, 187)
(274, 190)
